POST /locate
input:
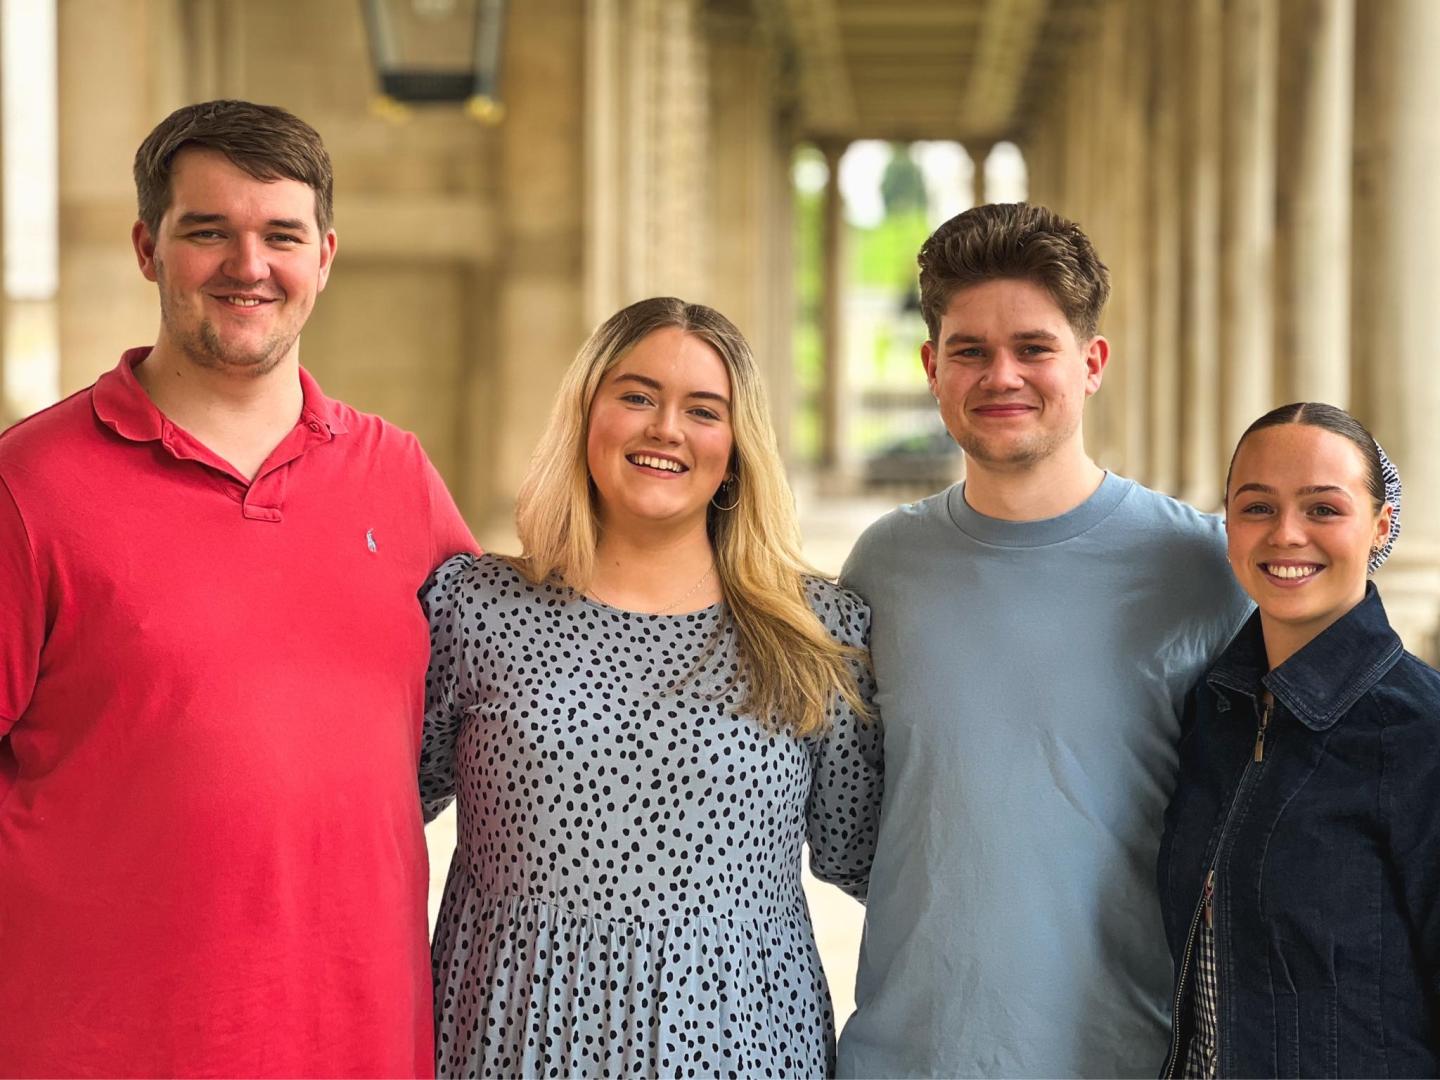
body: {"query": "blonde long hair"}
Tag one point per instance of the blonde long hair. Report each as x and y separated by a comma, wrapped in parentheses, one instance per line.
(793, 667)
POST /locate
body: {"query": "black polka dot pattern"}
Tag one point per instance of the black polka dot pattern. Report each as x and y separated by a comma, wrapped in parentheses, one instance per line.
(625, 898)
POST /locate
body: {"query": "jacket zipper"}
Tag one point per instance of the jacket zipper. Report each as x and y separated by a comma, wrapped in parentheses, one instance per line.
(1260, 731)
(1174, 1058)
(1205, 908)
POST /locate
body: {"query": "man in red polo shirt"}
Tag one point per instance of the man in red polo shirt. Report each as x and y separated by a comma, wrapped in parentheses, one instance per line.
(212, 662)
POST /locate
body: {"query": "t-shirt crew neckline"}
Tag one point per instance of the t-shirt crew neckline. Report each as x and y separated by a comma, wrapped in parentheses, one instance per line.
(1028, 534)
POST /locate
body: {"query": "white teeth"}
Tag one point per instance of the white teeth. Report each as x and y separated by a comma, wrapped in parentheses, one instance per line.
(241, 301)
(1291, 573)
(657, 463)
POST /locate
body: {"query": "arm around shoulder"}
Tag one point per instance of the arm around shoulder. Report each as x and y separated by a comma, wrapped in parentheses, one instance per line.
(447, 683)
(843, 812)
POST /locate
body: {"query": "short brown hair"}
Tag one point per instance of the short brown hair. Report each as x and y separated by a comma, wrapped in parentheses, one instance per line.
(1014, 240)
(265, 141)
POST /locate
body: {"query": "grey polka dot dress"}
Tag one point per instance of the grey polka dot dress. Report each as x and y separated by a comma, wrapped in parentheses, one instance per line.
(625, 896)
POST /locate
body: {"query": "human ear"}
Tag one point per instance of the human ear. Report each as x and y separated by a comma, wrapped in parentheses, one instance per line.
(328, 244)
(1382, 528)
(927, 360)
(1097, 355)
(143, 242)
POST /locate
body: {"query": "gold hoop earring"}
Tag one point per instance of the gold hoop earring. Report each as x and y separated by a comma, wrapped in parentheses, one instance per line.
(728, 482)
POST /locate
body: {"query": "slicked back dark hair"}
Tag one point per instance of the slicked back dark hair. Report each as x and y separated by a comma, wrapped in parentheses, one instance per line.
(1328, 418)
(1018, 241)
(265, 141)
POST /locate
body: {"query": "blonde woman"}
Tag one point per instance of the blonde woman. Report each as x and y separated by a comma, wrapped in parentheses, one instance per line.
(644, 718)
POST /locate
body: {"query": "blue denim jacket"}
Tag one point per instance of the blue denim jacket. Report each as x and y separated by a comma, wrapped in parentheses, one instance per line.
(1324, 835)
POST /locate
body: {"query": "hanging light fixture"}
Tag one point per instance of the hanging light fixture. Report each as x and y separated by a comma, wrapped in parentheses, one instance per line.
(437, 52)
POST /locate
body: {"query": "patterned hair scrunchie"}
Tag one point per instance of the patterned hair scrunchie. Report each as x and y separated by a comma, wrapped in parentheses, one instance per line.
(1391, 476)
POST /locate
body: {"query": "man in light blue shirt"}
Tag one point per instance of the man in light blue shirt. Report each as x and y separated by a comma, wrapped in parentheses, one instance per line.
(1034, 632)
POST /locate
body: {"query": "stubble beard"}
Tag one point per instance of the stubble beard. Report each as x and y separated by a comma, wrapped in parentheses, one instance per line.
(1011, 454)
(207, 350)
(204, 347)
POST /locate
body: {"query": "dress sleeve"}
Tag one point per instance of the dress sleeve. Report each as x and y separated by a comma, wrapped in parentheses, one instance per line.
(447, 683)
(22, 614)
(1411, 795)
(843, 814)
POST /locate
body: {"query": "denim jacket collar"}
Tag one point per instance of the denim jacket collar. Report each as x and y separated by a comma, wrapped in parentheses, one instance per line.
(1321, 682)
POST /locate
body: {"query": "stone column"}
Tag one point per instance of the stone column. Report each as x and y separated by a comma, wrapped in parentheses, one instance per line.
(540, 294)
(682, 156)
(1164, 228)
(739, 205)
(1135, 247)
(1317, 76)
(1248, 216)
(778, 268)
(1104, 221)
(979, 154)
(1200, 296)
(1039, 150)
(1079, 90)
(605, 200)
(1396, 289)
(117, 79)
(832, 314)
(748, 220)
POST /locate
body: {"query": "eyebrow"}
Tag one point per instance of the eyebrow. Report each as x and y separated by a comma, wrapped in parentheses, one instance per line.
(194, 217)
(980, 339)
(656, 385)
(1309, 489)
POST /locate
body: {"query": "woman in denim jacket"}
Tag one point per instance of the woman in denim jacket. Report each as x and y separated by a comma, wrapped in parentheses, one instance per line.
(1300, 865)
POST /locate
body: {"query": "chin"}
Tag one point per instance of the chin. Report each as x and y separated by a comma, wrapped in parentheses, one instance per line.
(652, 514)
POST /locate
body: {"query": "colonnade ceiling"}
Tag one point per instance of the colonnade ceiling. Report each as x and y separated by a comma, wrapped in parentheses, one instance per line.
(970, 70)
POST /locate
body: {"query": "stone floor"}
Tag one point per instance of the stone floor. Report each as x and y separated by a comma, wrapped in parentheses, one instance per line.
(829, 527)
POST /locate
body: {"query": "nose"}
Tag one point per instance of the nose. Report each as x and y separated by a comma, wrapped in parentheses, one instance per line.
(1003, 372)
(1286, 529)
(245, 260)
(664, 425)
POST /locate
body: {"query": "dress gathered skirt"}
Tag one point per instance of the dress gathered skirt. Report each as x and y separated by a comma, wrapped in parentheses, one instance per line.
(625, 897)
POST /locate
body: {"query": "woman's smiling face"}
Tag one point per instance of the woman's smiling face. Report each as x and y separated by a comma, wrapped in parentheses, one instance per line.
(660, 441)
(1301, 523)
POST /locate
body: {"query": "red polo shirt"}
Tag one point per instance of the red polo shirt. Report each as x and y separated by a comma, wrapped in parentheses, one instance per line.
(211, 854)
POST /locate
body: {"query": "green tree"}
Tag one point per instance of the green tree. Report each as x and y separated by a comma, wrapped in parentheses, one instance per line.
(902, 186)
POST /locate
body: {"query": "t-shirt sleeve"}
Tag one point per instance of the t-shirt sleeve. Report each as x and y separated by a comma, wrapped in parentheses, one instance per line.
(447, 687)
(843, 814)
(867, 564)
(22, 614)
(449, 535)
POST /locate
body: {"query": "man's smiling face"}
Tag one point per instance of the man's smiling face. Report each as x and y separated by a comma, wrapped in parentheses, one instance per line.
(1009, 375)
(239, 262)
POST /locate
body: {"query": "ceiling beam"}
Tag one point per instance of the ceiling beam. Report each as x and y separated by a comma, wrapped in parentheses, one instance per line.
(826, 93)
(1007, 43)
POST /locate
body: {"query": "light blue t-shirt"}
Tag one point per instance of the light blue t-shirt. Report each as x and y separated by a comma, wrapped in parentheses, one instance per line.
(1031, 677)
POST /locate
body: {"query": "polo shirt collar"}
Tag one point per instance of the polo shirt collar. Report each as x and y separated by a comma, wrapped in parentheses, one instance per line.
(120, 402)
(1321, 682)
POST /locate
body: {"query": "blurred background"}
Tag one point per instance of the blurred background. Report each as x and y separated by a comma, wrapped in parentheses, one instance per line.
(1260, 176)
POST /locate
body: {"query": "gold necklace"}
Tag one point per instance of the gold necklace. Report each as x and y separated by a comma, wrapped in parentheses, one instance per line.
(668, 607)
